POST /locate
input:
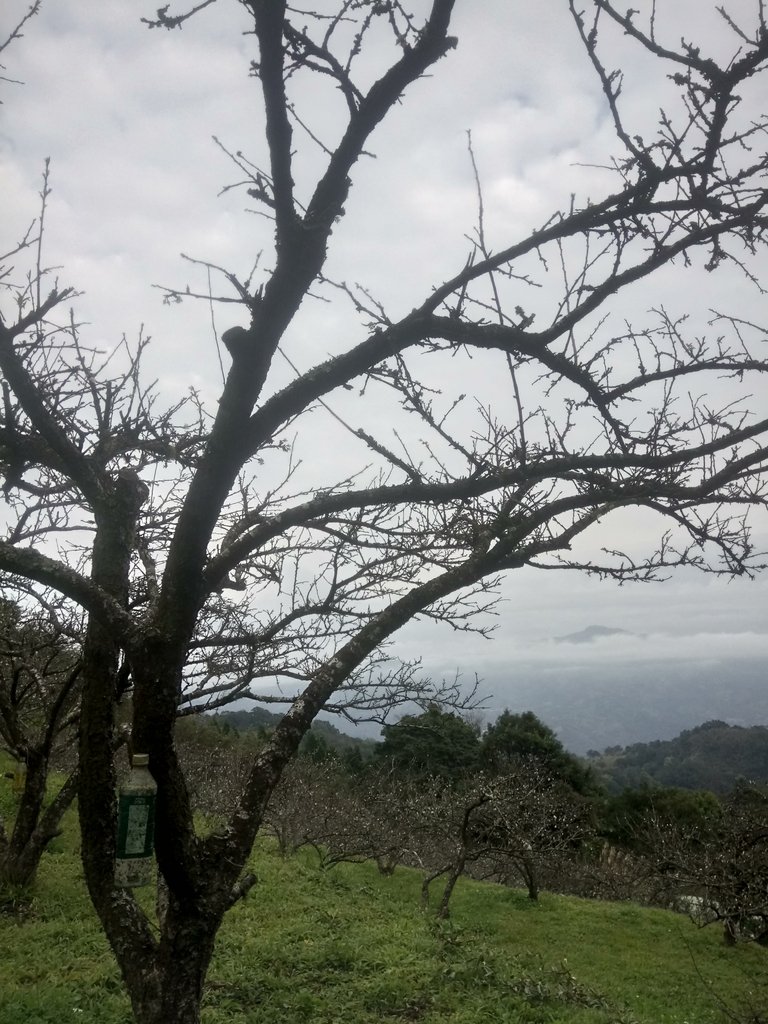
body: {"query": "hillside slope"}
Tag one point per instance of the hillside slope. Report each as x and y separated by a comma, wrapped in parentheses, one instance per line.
(351, 946)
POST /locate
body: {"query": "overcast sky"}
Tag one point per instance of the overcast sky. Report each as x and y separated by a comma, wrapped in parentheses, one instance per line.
(127, 116)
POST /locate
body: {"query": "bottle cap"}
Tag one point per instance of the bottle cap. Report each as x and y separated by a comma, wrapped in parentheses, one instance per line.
(140, 760)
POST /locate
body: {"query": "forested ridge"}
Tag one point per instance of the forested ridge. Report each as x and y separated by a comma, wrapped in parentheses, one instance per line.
(712, 756)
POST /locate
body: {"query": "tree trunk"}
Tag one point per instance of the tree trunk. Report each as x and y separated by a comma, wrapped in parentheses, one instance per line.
(533, 889)
(170, 990)
(528, 871)
(17, 868)
(450, 885)
(386, 863)
(427, 880)
(33, 828)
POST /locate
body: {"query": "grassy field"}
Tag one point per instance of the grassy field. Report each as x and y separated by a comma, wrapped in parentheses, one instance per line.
(350, 947)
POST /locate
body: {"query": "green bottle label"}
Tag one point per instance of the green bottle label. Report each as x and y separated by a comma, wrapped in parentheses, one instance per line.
(136, 825)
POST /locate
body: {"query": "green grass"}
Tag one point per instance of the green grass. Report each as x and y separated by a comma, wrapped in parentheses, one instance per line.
(350, 947)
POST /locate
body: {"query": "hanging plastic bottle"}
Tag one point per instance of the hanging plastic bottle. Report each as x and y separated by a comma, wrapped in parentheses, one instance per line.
(136, 826)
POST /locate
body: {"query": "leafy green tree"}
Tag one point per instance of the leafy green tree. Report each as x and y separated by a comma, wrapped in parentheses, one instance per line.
(435, 743)
(315, 747)
(353, 761)
(204, 732)
(519, 736)
(626, 815)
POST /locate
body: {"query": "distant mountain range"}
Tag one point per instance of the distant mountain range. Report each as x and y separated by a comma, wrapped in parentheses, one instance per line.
(593, 705)
(713, 756)
(592, 633)
(622, 687)
(636, 690)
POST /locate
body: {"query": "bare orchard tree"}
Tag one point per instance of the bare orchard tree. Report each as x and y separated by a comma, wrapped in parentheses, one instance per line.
(450, 830)
(190, 558)
(536, 823)
(39, 691)
(371, 816)
(509, 826)
(343, 817)
(714, 870)
(314, 805)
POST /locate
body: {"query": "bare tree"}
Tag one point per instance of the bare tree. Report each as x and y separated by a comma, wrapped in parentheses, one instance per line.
(314, 805)
(508, 826)
(716, 869)
(196, 568)
(449, 831)
(345, 818)
(39, 684)
(17, 33)
(536, 821)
